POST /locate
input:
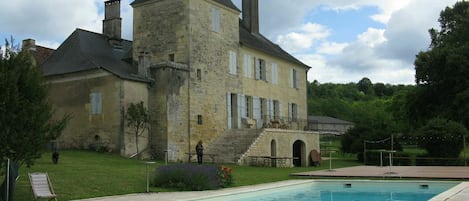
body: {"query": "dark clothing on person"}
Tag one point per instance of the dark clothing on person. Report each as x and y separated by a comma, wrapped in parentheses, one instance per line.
(199, 149)
(55, 157)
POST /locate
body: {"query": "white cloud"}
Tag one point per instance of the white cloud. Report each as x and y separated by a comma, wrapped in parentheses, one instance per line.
(372, 37)
(304, 38)
(331, 48)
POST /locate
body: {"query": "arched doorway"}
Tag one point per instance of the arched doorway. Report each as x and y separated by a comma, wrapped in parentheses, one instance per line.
(299, 153)
(273, 152)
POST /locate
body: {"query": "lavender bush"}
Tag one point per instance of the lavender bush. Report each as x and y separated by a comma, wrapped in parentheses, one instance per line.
(188, 177)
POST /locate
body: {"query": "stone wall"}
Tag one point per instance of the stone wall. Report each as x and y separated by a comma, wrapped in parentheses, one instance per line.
(284, 141)
(106, 131)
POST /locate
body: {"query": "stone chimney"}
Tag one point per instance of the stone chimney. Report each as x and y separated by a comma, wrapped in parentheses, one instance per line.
(29, 44)
(251, 15)
(112, 22)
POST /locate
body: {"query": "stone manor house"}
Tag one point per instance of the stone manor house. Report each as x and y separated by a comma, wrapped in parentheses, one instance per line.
(202, 72)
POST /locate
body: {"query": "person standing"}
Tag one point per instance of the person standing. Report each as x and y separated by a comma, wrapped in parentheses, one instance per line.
(199, 149)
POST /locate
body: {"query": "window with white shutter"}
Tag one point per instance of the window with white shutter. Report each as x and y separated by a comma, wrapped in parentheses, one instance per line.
(215, 19)
(247, 66)
(274, 73)
(232, 62)
(229, 116)
(96, 103)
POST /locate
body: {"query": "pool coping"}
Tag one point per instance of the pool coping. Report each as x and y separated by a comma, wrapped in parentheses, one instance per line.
(458, 193)
(453, 194)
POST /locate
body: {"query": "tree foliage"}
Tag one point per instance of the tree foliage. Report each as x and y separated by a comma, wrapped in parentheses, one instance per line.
(137, 118)
(25, 114)
(377, 114)
(442, 138)
(442, 71)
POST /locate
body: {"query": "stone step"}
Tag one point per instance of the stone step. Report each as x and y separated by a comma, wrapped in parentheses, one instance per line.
(233, 144)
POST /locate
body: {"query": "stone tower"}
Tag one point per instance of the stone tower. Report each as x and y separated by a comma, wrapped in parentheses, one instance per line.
(187, 46)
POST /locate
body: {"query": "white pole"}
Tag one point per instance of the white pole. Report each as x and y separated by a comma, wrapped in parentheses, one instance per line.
(8, 179)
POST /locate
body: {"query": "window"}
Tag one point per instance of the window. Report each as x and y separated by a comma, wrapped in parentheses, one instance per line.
(293, 112)
(249, 106)
(171, 57)
(247, 66)
(263, 108)
(199, 74)
(199, 119)
(233, 62)
(294, 79)
(274, 73)
(216, 20)
(276, 109)
(260, 69)
(96, 103)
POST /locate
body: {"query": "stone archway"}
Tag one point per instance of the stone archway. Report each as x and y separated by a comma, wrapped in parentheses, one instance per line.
(299, 153)
(273, 152)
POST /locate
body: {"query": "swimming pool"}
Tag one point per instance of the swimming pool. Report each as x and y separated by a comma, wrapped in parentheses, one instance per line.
(347, 190)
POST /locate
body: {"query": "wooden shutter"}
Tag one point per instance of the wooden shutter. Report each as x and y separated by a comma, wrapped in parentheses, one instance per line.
(247, 65)
(233, 62)
(229, 117)
(257, 69)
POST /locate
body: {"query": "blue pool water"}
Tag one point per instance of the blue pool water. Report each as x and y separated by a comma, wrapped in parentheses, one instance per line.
(347, 191)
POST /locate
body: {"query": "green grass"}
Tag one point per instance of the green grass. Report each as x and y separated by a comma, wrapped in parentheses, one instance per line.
(82, 174)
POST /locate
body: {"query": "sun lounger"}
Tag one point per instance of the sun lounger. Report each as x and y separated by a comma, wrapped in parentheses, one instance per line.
(41, 186)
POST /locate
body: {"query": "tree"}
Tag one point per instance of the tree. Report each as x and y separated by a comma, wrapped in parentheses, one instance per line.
(137, 118)
(442, 138)
(442, 71)
(25, 113)
(366, 86)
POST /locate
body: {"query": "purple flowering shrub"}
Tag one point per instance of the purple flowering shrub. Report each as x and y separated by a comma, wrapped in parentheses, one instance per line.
(191, 177)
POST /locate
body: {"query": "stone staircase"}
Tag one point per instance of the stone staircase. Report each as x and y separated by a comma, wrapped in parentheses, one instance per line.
(232, 144)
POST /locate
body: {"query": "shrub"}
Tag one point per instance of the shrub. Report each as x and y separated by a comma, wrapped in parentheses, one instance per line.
(192, 177)
(442, 138)
(226, 178)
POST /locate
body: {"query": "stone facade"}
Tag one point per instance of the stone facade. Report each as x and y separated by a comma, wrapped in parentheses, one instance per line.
(181, 31)
(199, 79)
(281, 143)
(101, 127)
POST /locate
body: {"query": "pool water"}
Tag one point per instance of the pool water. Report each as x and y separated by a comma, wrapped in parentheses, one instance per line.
(348, 191)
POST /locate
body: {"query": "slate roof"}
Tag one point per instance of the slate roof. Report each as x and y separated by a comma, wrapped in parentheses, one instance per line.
(328, 120)
(259, 42)
(226, 3)
(41, 54)
(84, 50)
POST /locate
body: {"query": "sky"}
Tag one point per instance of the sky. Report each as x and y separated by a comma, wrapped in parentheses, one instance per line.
(341, 40)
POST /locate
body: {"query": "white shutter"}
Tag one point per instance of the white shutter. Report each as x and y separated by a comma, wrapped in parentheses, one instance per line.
(247, 66)
(256, 111)
(297, 79)
(228, 110)
(215, 20)
(240, 109)
(257, 69)
(243, 106)
(96, 103)
(291, 78)
(298, 112)
(280, 111)
(267, 73)
(290, 112)
(233, 62)
(274, 73)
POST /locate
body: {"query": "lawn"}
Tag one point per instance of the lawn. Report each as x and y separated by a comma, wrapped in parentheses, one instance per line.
(82, 174)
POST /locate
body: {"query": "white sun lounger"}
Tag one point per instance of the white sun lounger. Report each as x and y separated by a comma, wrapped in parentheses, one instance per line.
(41, 186)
